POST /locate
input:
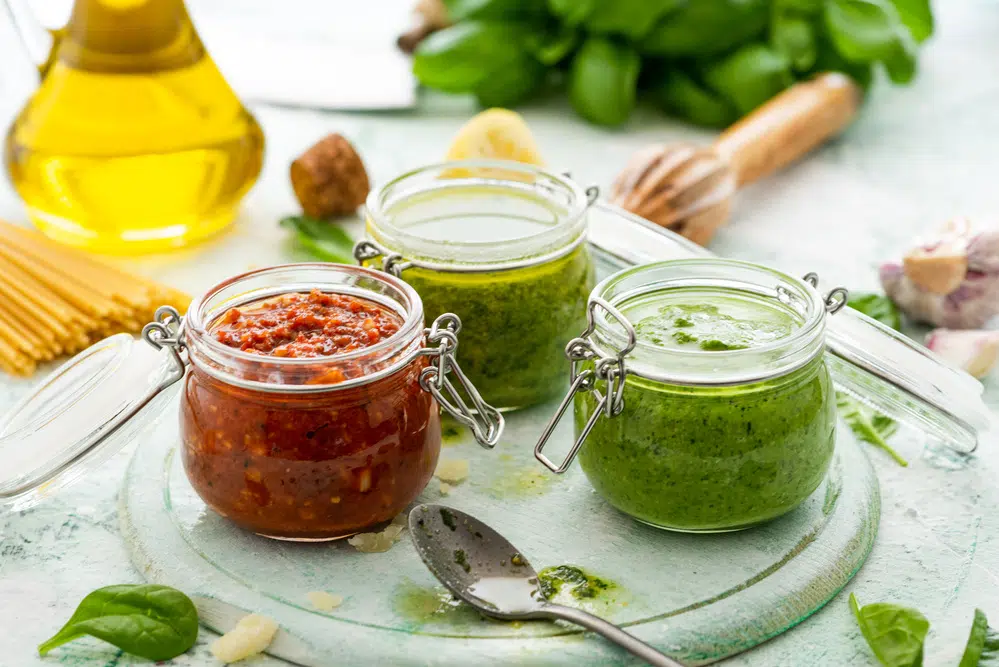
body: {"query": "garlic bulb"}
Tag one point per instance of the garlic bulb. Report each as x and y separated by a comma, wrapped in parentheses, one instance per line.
(950, 279)
(975, 351)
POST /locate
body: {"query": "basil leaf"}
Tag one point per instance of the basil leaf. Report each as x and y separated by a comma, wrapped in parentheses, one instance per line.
(868, 31)
(512, 84)
(549, 48)
(895, 634)
(982, 649)
(147, 620)
(794, 37)
(868, 425)
(829, 60)
(750, 76)
(324, 240)
(463, 56)
(917, 15)
(707, 27)
(602, 81)
(459, 10)
(877, 307)
(630, 18)
(682, 96)
(573, 12)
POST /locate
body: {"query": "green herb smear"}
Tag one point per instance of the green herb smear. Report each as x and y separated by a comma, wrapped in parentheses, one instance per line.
(148, 620)
(571, 580)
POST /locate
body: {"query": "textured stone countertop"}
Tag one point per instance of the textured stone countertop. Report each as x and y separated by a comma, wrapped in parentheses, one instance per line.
(917, 156)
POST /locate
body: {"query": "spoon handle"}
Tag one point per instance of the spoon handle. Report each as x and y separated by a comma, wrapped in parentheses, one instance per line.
(615, 634)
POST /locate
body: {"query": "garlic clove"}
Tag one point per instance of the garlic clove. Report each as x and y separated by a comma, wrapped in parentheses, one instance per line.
(975, 351)
(938, 268)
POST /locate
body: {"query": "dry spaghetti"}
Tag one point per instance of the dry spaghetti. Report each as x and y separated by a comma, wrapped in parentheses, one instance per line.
(56, 301)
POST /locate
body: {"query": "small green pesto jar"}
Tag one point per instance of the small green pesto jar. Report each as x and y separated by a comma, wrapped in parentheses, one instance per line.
(503, 245)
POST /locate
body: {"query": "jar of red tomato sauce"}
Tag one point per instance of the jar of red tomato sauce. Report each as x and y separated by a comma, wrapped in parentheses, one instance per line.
(310, 404)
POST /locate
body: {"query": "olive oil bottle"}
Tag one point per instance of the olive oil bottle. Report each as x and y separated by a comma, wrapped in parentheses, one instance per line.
(133, 142)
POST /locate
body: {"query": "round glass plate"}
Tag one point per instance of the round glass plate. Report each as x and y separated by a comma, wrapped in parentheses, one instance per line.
(699, 597)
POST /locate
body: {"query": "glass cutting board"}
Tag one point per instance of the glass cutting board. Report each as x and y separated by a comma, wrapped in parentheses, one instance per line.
(699, 598)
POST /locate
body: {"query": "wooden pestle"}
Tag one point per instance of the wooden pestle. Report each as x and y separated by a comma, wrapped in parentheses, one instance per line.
(689, 189)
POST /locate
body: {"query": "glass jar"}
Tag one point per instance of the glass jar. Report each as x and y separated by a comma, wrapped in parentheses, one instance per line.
(711, 438)
(503, 246)
(315, 448)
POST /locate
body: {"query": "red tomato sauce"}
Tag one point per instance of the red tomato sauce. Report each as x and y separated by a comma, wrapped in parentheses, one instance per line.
(311, 465)
(306, 325)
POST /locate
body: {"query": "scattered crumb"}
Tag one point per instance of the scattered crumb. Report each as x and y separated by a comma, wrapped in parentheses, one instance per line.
(452, 470)
(252, 635)
(382, 541)
(446, 488)
(324, 601)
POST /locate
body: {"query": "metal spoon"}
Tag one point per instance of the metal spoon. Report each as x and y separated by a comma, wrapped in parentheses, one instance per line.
(481, 567)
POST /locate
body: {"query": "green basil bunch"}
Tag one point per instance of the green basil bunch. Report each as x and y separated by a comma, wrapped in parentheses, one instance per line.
(706, 61)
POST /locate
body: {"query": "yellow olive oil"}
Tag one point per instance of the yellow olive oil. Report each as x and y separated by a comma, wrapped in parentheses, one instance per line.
(134, 142)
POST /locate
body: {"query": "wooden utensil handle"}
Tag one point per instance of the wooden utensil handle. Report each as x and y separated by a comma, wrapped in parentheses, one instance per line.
(788, 126)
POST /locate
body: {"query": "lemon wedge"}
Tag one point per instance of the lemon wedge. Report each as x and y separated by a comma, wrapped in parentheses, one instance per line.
(494, 134)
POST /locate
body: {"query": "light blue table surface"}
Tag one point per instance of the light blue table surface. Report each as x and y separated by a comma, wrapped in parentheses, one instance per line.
(916, 157)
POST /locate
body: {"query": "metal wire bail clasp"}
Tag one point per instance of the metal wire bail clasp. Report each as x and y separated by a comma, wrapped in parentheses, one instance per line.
(610, 369)
(167, 331)
(835, 299)
(392, 262)
(485, 422)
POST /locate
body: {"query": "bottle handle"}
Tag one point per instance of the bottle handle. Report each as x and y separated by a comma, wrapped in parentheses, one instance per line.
(39, 43)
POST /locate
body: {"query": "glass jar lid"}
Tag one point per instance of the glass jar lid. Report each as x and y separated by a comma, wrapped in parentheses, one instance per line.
(84, 412)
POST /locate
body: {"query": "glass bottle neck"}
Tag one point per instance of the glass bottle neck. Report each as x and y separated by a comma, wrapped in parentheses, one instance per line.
(126, 36)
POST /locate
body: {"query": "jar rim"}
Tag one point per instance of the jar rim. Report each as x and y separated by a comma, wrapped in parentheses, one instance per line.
(718, 367)
(547, 244)
(202, 313)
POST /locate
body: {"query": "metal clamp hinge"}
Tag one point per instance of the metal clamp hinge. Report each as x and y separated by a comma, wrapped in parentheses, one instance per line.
(167, 331)
(485, 421)
(835, 299)
(392, 262)
(611, 370)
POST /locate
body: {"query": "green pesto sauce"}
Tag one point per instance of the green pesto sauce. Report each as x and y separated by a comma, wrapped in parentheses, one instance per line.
(725, 325)
(570, 580)
(698, 459)
(515, 324)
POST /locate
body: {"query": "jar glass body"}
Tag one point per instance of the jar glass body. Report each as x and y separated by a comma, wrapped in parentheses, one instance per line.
(713, 441)
(276, 453)
(504, 248)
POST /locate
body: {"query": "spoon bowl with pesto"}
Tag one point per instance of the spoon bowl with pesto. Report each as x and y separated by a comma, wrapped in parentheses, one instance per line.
(482, 568)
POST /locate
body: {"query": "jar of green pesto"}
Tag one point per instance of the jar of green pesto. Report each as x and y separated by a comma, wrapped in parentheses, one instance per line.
(503, 245)
(703, 395)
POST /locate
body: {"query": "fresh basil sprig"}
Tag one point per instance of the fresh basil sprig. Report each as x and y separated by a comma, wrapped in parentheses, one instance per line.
(895, 634)
(870, 426)
(147, 620)
(982, 649)
(877, 307)
(707, 61)
(326, 241)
